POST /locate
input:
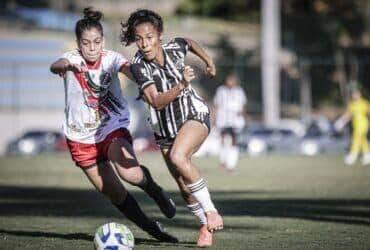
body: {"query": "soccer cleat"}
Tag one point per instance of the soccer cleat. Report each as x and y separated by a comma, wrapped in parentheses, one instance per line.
(214, 220)
(350, 159)
(156, 230)
(205, 237)
(164, 202)
(366, 159)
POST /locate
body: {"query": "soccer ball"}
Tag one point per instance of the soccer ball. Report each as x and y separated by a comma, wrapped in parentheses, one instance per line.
(113, 236)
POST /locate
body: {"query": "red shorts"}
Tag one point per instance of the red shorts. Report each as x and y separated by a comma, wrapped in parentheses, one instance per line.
(87, 155)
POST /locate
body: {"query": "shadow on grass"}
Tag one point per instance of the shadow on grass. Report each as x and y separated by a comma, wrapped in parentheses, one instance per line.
(74, 236)
(82, 236)
(37, 201)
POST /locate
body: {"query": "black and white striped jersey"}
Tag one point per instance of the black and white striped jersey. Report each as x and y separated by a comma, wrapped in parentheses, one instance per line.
(188, 105)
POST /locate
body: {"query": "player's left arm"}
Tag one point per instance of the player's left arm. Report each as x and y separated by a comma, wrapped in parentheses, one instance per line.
(202, 54)
(125, 69)
(121, 64)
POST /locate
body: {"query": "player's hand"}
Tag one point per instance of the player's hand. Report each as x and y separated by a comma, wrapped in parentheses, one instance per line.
(188, 74)
(339, 125)
(76, 68)
(211, 70)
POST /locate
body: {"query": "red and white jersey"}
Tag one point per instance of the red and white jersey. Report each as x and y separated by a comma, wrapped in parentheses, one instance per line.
(94, 105)
(230, 103)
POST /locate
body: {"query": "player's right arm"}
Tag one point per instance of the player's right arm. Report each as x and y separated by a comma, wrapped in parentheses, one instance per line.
(62, 65)
(342, 120)
(159, 100)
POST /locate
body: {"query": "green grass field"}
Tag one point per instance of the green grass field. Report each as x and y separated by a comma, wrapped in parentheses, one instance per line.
(270, 202)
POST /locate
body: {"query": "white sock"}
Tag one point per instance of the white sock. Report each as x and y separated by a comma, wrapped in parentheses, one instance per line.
(198, 211)
(229, 156)
(223, 154)
(222, 157)
(200, 191)
(232, 158)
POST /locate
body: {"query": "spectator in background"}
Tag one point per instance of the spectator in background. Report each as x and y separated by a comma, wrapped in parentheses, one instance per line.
(230, 101)
(358, 110)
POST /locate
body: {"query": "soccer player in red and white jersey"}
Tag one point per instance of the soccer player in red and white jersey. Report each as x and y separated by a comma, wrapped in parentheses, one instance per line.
(96, 121)
(178, 115)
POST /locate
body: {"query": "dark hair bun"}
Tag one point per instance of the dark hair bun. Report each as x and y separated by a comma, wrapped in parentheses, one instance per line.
(90, 14)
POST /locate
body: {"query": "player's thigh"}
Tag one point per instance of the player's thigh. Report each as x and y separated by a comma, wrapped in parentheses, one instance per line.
(190, 137)
(121, 152)
(122, 155)
(103, 177)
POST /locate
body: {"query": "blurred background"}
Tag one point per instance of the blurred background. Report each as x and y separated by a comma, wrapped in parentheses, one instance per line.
(297, 61)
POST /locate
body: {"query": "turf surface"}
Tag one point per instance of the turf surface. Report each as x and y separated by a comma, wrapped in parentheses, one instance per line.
(269, 202)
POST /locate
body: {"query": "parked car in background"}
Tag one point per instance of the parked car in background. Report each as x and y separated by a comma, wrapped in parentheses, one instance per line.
(316, 140)
(259, 139)
(37, 141)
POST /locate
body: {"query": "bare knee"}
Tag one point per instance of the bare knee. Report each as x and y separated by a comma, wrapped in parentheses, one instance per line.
(132, 174)
(179, 159)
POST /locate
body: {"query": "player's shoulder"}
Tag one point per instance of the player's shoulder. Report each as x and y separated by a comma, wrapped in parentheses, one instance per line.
(110, 53)
(221, 88)
(352, 105)
(240, 89)
(176, 43)
(72, 54)
(138, 59)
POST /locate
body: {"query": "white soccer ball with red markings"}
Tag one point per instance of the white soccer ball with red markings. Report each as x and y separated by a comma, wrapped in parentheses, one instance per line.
(114, 236)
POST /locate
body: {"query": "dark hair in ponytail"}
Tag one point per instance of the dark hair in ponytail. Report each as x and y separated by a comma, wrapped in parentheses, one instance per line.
(90, 20)
(136, 18)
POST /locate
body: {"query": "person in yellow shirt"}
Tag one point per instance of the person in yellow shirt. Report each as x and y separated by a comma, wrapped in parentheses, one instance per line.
(358, 110)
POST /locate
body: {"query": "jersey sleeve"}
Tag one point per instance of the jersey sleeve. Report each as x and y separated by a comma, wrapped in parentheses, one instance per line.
(68, 55)
(184, 46)
(72, 56)
(119, 62)
(142, 76)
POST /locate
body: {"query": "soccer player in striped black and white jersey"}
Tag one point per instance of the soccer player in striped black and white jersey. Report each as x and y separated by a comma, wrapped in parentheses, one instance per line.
(178, 115)
(229, 101)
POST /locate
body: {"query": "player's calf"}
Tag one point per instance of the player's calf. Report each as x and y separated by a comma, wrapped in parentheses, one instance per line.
(164, 202)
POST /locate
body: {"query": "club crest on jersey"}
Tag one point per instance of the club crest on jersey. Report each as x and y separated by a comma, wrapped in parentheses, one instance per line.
(98, 86)
(144, 72)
